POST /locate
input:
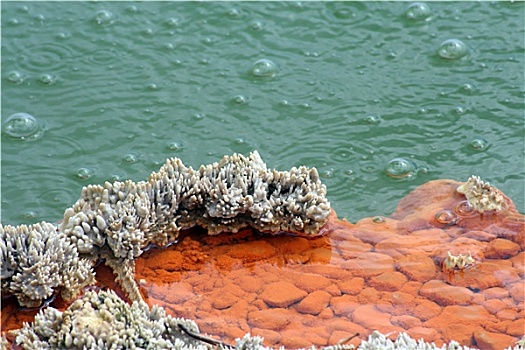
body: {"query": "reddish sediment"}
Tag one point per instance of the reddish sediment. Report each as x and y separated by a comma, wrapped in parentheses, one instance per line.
(381, 273)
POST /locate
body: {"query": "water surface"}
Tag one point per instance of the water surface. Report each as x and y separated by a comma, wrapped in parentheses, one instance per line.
(350, 87)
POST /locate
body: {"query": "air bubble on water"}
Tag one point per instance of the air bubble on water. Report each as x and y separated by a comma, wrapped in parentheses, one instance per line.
(446, 217)
(175, 146)
(234, 13)
(327, 173)
(23, 126)
(85, 173)
(240, 99)
(130, 158)
(15, 77)
(418, 11)
(305, 106)
(468, 88)
(104, 17)
(400, 168)
(62, 36)
(29, 214)
(47, 79)
(256, 25)
(264, 68)
(173, 22)
(459, 110)
(372, 119)
(452, 49)
(479, 144)
(115, 177)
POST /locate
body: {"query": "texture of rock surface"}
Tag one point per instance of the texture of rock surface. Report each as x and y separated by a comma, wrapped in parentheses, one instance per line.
(384, 275)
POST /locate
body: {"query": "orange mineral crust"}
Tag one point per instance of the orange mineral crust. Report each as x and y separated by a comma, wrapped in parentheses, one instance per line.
(435, 269)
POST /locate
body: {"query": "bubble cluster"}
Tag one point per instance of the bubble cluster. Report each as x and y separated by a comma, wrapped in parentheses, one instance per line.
(264, 68)
(400, 168)
(479, 144)
(23, 126)
(452, 49)
(446, 217)
(418, 11)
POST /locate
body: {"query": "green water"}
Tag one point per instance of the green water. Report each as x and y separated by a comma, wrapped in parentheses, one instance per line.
(122, 86)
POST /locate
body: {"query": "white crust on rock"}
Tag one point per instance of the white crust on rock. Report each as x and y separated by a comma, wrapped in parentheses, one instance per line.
(481, 196)
(37, 261)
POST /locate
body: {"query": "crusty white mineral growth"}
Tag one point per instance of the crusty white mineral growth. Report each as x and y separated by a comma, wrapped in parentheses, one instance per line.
(104, 321)
(457, 262)
(481, 195)
(116, 221)
(38, 261)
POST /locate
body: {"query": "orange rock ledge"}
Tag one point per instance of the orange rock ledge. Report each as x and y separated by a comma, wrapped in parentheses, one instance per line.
(382, 273)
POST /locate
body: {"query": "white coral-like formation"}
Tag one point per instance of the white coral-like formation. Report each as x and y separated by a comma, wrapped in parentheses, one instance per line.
(118, 220)
(457, 262)
(481, 196)
(104, 321)
(37, 261)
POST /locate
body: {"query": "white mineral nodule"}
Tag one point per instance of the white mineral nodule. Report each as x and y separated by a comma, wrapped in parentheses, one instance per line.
(481, 196)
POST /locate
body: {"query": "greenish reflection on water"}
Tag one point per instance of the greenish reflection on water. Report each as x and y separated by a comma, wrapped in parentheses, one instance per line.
(121, 86)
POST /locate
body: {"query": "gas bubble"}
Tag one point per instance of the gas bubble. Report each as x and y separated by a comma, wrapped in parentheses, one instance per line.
(47, 79)
(464, 208)
(130, 158)
(175, 146)
(15, 77)
(23, 126)
(400, 168)
(264, 68)
(240, 99)
(452, 49)
(479, 144)
(104, 17)
(418, 11)
(85, 173)
(447, 217)
(378, 220)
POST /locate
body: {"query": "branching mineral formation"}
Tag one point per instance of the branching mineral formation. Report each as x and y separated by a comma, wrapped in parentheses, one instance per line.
(104, 321)
(481, 196)
(118, 220)
(457, 262)
(37, 260)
